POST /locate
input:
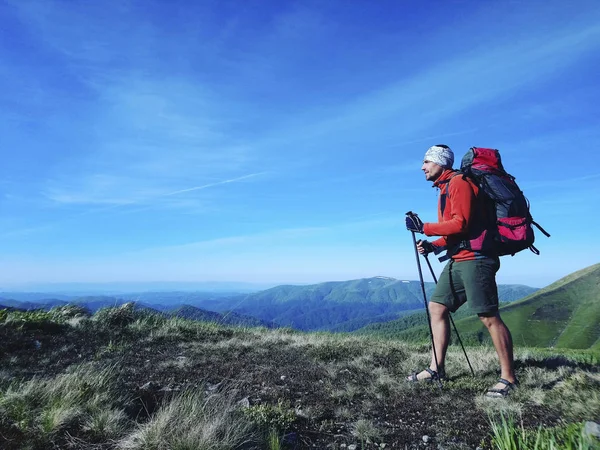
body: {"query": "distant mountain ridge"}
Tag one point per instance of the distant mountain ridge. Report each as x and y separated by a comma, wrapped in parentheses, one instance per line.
(95, 303)
(119, 288)
(332, 306)
(341, 305)
(229, 318)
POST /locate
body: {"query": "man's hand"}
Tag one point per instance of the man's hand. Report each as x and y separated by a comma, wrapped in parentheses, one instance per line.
(413, 223)
(425, 247)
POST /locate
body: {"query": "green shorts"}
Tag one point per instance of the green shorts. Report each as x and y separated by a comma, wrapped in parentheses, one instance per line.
(469, 281)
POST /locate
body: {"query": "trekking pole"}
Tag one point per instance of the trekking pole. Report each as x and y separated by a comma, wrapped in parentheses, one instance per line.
(451, 320)
(437, 367)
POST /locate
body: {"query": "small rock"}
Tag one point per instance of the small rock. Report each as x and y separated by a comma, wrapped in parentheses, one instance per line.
(150, 386)
(342, 445)
(282, 377)
(591, 429)
(425, 439)
(300, 412)
(170, 388)
(352, 447)
(244, 403)
(213, 387)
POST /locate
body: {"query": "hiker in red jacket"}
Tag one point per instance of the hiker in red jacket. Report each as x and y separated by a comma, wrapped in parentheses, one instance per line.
(470, 276)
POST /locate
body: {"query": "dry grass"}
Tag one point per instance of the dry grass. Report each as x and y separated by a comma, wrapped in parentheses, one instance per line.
(45, 408)
(189, 421)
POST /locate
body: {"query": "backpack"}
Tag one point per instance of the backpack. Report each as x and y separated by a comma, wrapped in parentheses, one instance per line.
(510, 221)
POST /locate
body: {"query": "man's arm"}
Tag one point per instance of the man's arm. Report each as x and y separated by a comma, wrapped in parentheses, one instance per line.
(462, 201)
(440, 243)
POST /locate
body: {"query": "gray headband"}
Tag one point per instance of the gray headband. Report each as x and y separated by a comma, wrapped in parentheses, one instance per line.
(441, 155)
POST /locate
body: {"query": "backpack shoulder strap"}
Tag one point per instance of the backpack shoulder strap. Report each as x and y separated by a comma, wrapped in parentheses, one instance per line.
(444, 192)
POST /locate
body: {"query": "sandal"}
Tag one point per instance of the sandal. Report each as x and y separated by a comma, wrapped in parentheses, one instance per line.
(502, 392)
(433, 376)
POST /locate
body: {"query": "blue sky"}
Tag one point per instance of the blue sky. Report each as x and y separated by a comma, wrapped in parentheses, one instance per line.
(272, 142)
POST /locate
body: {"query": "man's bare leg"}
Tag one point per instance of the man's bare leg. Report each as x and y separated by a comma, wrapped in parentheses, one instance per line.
(440, 326)
(503, 344)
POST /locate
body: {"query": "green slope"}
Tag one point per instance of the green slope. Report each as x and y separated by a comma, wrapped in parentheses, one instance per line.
(417, 318)
(565, 314)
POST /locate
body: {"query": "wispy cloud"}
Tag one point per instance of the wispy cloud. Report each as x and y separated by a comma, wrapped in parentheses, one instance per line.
(278, 238)
(465, 81)
(149, 128)
(148, 199)
(199, 188)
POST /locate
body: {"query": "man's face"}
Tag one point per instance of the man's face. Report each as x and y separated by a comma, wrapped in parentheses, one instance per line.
(432, 170)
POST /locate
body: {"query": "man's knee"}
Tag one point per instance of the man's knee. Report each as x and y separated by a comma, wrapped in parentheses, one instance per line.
(438, 311)
(490, 319)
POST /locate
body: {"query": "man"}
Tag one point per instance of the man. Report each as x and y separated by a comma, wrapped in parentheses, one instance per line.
(470, 276)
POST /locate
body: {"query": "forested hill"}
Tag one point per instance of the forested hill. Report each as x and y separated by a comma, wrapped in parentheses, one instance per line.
(340, 305)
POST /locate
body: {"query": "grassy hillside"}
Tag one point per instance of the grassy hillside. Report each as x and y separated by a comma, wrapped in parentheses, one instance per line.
(565, 314)
(131, 379)
(413, 325)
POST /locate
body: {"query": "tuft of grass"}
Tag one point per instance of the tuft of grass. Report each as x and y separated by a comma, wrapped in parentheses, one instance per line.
(385, 384)
(119, 316)
(192, 421)
(274, 440)
(577, 397)
(159, 327)
(42, 408)
(507, 435)
(58, 417)
(274, 417)
(68, 312)
(106, 424)
(365, 431)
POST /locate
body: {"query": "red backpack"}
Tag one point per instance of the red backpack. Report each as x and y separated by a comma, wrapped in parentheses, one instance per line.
(506, 204)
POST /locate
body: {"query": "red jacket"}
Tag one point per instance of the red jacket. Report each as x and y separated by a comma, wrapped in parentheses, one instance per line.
(460, 215)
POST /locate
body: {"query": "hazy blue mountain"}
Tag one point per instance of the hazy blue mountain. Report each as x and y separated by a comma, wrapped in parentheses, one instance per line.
(117, 288)
(334, 305)
(34, 296)
(42, 303)
(178, 297)
(340, 305)
(226, 318)
(93, 303)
